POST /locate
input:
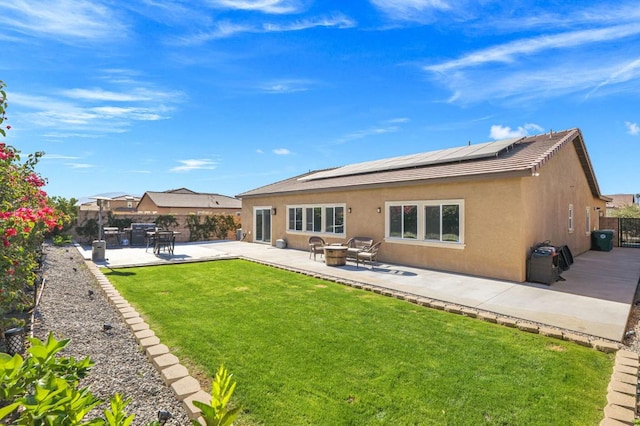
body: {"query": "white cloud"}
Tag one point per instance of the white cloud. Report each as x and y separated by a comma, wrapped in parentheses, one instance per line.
(80, 165)
(259, 151)
(509, 51)
(499, 132)
(140, 114)
(104, 95)
(188, 165)
(81, 111)
(398, 120)
(625, 73)
(632, 128)
(59, 157)
(338, 21)
(281, 151)
(389, 126)
(226, 29)
(526, 69)
(265, 6)
(536, 80)
(286, 86)
(411, 10)
(67, 19)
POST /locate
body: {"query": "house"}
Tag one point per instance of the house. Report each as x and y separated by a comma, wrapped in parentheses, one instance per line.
(116, 205)
(477, 209)
(119, 203)
(182, 201)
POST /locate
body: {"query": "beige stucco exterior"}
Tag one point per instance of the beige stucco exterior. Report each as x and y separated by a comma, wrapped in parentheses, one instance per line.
(503, 217)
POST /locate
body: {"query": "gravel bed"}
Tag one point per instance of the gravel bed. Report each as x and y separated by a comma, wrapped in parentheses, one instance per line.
(632, 336)
(68, 310)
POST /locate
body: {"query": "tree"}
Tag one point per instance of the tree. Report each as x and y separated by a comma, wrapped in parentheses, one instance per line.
(627, 211)
(69, 208)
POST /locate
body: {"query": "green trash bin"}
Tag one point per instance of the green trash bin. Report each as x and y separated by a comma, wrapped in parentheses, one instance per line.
(602, 240)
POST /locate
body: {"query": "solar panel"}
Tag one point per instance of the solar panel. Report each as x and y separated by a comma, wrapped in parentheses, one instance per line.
(442, 156)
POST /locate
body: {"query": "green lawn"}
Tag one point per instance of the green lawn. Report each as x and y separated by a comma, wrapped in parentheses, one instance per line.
(308, 351)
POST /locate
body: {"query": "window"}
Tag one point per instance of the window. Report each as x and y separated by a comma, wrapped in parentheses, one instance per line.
(328, 219)
(403, 221)
(587, 227)
(295, 219)
(442, 223)
(570, 218)
(429, 222)
(314, 219)
(334, 220)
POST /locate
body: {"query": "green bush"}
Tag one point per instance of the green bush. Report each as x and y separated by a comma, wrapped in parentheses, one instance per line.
(42, 389)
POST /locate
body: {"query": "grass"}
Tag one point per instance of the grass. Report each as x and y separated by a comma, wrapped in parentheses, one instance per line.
(308, 351)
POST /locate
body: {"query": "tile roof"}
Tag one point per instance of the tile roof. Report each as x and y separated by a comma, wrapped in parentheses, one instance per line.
(525, 157)
(193, 200)
(620, 200)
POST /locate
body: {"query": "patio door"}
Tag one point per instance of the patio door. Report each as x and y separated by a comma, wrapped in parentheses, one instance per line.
(262, 225)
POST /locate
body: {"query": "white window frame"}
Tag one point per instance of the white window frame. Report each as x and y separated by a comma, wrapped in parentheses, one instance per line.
(323, 223)
(420, 240)
(570, 219)
(587, 226)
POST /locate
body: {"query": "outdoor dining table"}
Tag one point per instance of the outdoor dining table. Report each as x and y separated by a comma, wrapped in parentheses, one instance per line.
(151, 239)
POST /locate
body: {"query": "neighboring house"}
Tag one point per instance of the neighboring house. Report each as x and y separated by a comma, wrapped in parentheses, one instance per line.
(121, 204)
(474, 210)
(184, 202)
(621, 200)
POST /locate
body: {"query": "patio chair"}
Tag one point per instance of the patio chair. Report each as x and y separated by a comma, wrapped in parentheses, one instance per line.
(368, 254)
(164, 240)
(316, 245)
(111, 233)
(357, 244)
(150, 238)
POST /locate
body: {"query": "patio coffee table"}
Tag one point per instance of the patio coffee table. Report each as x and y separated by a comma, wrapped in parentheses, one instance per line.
(335, 255)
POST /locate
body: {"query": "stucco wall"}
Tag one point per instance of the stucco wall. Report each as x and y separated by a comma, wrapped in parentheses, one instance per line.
(547, 197)
(491, 221)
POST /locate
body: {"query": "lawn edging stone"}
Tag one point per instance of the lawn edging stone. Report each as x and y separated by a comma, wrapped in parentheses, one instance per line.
(173, 373)
(156, 350)
(192, 411)
(622, 396)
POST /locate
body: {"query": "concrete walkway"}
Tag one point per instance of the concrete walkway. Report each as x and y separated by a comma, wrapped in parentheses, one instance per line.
(595, 298)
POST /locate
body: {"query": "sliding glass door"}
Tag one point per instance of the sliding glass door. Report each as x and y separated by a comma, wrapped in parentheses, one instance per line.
(262, 225)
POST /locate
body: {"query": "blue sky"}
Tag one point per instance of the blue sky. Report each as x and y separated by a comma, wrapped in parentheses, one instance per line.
(228, 95)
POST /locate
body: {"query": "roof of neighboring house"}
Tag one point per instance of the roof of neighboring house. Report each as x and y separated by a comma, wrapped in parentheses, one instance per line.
(517, 157)
(620, 200)
(93, 205)
(184, 198)
(181, 191)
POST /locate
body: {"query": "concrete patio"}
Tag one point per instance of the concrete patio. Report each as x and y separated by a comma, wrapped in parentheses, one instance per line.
(595, 298)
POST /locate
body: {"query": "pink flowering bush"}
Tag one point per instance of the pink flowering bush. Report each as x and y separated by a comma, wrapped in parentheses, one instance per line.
(25, 217)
